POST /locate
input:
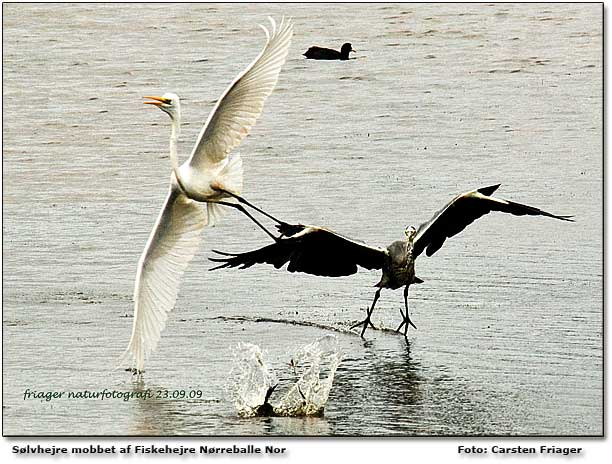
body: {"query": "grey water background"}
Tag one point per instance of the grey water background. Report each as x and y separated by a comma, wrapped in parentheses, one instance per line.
(440, 99)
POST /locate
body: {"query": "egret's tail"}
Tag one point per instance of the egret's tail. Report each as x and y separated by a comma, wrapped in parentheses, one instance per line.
(215, 212)
(231, 174)
(231, 179)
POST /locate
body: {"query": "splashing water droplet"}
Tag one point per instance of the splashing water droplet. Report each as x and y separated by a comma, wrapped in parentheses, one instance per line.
(311, 371)
(250, 379)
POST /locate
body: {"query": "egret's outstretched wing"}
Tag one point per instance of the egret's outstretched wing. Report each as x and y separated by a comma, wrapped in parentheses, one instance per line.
(312, 250)
(462, 211)
(171, 246)
(241, 104)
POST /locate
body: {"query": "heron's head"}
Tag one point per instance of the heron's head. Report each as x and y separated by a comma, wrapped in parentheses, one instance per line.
(410, 232)
(169, 103)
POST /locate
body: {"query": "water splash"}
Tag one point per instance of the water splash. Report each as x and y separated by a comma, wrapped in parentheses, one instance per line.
(251, 381)
(304, 385)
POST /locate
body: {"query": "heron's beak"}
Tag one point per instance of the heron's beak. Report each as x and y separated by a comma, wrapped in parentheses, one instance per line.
(157, 101)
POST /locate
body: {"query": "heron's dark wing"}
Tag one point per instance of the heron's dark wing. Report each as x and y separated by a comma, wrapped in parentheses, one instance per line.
(313, 250)
(462, 211)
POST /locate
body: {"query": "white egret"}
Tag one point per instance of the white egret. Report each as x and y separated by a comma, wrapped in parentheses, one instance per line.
(319, 251)
(211, 175)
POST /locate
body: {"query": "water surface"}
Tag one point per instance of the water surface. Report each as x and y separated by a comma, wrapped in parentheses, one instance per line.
(440, 99)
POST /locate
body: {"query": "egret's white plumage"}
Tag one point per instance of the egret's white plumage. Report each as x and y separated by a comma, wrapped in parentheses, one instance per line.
(211, 175)
(241, 104)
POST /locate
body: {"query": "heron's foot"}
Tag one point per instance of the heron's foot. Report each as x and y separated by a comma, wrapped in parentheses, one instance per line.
(365, 323)
(405, 323)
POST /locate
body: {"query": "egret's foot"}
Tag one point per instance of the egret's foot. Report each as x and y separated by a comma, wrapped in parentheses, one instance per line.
(365, 323)
(134, 371)
(405, 323)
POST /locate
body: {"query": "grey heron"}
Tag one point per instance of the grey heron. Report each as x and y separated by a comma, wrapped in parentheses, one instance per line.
(323, 252)
(320, 53)
(211, 175)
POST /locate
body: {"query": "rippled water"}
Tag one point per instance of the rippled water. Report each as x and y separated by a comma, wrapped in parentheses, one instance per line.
(441, 98)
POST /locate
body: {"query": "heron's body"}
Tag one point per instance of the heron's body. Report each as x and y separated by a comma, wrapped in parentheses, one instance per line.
(398, 266)
(320, 251)
(200, 188)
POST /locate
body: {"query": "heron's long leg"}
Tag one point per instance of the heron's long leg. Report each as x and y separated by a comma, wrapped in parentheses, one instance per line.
(367, 320)
(249, 215)
(406, 316)
(244, 201)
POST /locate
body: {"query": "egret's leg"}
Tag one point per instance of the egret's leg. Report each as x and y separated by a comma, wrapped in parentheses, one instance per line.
(406, 316)
(367, 320)
(249, 215)
(244, 201)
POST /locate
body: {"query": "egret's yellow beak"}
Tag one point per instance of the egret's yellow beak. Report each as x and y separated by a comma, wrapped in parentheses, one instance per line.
(157, 101)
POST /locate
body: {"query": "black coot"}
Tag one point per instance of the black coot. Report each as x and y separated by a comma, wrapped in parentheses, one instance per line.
(319, 53)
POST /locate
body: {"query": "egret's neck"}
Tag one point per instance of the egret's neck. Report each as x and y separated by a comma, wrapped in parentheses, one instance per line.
(174, 135)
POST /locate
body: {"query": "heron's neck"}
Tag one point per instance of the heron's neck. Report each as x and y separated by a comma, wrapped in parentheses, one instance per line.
(410, 242)
(174, 135)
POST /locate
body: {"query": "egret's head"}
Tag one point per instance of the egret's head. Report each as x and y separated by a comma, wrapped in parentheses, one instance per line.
(168, 102)
(410, 232)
